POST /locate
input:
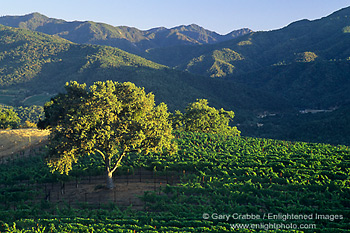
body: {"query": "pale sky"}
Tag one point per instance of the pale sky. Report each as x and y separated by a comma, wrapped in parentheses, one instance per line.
(222, 16)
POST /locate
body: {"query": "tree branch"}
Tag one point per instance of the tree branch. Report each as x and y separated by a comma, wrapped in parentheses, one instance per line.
(116, 165)
(101, 153)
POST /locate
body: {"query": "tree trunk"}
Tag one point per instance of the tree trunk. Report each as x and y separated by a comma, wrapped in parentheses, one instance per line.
(110, 183)
(110, 170)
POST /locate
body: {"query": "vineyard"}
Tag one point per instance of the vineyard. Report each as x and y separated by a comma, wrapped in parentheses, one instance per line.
(212, 184)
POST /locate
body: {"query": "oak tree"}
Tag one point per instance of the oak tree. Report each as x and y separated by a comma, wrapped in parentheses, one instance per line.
(110, 119)
(199, 117)
(8, 119)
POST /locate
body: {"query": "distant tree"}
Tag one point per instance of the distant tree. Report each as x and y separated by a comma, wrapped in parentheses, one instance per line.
(28, 124)
(199, 117)
(177, 120)
(306, 57)
(8, 119)
(29, 114)
(110, 119)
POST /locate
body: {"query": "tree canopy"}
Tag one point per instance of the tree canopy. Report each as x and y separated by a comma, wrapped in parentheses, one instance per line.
(199, 117)
(8, 119)
(110, 119)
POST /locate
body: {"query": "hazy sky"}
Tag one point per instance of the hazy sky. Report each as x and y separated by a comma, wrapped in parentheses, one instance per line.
(221, 16)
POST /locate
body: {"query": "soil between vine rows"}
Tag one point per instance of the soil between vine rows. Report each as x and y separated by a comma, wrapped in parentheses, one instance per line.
(92, 190)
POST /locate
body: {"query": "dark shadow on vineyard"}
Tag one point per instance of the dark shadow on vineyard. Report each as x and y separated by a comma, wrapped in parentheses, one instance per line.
(90, 191)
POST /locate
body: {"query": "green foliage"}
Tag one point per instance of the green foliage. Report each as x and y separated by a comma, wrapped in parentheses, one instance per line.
(177, 120)
(30, 114)
(244, 42)
(199, 117)
(23, 54)
(221, 63)
(27, 115)
(346, 29)
(306, 57)
(227, 55)
(111, 119)
(8, 119)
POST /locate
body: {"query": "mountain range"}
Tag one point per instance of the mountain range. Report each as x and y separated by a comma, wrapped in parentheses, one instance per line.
(274, 74)
(129, 39)
(33, 63)
(323, 39)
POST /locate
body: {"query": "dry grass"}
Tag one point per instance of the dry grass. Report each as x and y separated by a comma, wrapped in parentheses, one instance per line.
(16, 140)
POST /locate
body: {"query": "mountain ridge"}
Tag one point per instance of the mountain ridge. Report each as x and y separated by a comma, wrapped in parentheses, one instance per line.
(126, 38)
(320, 39)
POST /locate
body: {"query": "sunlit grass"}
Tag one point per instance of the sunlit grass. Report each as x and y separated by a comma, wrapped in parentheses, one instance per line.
(15, 140)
